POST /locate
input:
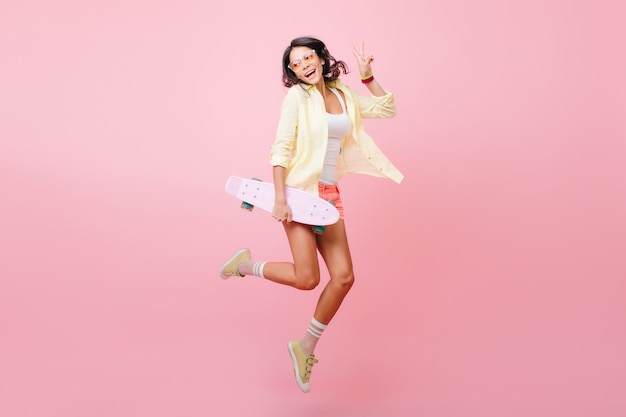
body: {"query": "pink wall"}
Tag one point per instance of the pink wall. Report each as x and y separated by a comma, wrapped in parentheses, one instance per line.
(489, 283)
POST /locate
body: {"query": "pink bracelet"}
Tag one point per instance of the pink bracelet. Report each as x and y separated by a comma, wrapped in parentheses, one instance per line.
(367, 80)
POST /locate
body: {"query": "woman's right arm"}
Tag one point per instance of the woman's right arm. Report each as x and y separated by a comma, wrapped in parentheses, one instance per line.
(281, 211)
(280, 155)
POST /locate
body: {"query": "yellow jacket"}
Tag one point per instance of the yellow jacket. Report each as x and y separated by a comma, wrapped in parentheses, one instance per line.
(302, 136)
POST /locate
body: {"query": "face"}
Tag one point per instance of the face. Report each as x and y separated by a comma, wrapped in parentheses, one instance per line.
(307, 66)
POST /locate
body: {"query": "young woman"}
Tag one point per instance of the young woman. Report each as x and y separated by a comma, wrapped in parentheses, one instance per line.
(320, 138)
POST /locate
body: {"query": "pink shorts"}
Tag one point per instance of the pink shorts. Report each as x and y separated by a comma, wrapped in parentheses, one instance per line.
(331, 193)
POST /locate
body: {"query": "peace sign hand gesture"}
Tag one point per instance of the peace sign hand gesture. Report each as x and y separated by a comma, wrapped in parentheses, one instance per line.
(365, 68)
(364, 61)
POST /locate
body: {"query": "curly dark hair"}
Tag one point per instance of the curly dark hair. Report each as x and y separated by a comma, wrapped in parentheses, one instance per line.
(332, 68)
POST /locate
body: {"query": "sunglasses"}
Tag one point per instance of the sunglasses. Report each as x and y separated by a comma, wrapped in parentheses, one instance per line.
(297, 64)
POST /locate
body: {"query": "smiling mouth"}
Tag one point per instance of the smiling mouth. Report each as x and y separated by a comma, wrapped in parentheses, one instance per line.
(308, 74)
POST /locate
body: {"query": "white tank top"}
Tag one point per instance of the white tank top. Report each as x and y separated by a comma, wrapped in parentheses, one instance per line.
(338, 128)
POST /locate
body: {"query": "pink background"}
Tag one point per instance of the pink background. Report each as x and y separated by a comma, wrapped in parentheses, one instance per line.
(491, 282)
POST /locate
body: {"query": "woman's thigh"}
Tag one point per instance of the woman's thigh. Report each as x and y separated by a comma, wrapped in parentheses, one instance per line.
(334, 248)
(303, 247)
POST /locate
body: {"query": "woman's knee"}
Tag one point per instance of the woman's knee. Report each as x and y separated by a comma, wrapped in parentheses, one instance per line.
(344, 280)
(308, 281)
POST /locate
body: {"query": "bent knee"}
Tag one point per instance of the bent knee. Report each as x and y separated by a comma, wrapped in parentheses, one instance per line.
(307, 282)
(345, 280)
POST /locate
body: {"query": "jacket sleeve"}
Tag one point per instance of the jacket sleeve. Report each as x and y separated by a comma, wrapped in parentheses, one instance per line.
(376, 106)
(286, 132)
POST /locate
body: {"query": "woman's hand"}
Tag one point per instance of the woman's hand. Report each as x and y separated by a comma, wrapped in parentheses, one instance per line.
(364, 61)
(365, 68)
(282, 212)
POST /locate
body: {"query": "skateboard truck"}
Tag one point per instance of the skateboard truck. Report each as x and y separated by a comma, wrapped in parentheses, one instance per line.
(247, 206)
(320, 229)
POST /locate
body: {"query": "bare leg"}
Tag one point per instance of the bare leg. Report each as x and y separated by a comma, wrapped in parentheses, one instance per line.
(333, 245)
(304, 272)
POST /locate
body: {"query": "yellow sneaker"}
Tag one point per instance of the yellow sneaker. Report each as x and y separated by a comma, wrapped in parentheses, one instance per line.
(302, 364)
(230, 268)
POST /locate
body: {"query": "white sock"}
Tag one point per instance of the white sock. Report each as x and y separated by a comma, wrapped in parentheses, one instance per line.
(252, 268)
(257, 269)
(312, 335)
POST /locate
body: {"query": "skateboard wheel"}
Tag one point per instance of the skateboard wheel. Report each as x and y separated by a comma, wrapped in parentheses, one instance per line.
(247, 206)
(319, 229)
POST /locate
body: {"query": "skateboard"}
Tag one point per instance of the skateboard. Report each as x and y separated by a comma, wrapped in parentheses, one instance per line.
(305, 208)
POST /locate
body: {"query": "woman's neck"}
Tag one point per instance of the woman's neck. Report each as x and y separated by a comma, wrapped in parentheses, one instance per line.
(321, 87)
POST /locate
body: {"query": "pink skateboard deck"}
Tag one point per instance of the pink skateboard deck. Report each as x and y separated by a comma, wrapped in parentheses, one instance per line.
(305, 208)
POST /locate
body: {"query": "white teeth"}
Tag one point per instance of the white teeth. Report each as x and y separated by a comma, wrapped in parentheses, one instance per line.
(309, 73)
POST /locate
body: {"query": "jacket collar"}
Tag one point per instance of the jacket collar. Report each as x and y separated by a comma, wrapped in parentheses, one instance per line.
(336, 83)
